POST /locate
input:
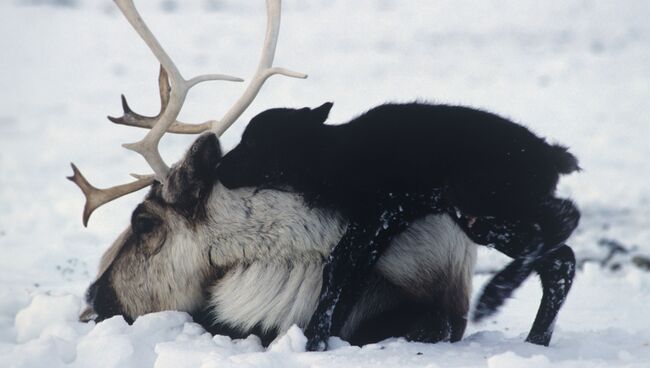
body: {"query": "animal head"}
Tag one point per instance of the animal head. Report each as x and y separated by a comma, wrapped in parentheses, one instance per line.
(274, 144)
(162, 260)
(189, 233)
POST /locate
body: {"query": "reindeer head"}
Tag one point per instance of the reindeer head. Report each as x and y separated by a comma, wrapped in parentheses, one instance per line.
(187, 234)
(163, 260)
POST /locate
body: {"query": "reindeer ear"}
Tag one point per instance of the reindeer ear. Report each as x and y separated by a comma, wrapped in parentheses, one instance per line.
(321, 113)
(204, 155)
(192, 179)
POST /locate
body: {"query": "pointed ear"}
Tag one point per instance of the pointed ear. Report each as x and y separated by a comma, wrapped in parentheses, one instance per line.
(203, 156)
(192, 179)
(321, 113)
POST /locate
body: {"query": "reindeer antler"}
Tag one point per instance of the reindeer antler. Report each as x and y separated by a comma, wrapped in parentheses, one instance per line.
(131, 118)
(172, 98)
(148, 146)
(264, 70)
(97, 197)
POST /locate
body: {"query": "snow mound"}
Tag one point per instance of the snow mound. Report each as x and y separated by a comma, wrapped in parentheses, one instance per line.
(48, 315)
(512, 360)
(293, 341)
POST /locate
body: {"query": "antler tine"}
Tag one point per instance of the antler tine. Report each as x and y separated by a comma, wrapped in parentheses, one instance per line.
(148, 146)
(173, 90)
(264, 70)
(131, 118)
(96, 197)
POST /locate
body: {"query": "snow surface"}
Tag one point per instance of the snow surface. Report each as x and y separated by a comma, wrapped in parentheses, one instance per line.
(575, 71)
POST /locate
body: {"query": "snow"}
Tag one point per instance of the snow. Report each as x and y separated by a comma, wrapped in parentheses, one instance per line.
(575, 71)
(293, 341)
(47, 315)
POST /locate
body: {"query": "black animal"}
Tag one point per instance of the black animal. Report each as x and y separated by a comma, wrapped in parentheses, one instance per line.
(399, 162)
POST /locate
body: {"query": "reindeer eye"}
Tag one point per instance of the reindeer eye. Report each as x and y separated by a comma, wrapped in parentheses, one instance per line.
(143, 224)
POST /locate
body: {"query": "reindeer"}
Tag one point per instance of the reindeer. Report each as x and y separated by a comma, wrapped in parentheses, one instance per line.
(251, 260)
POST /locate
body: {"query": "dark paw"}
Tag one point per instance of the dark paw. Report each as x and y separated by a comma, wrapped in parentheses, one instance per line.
(539, 339)
(317, 333)
(316, 344)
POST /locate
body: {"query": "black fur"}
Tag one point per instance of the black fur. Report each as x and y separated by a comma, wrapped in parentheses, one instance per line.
(488, 165)
(415, 320)
(556, 272)
(496, 177)
(190, 182)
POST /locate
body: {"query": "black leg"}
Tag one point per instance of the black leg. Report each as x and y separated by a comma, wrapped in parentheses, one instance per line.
(349, 296)
(356, 252)
(349, 264)
(556, 271)
(336, 277)
(513, 238)
(501, 287)
(528, 240)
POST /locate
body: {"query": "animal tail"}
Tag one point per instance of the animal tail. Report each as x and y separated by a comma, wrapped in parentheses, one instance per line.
(563, 160)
